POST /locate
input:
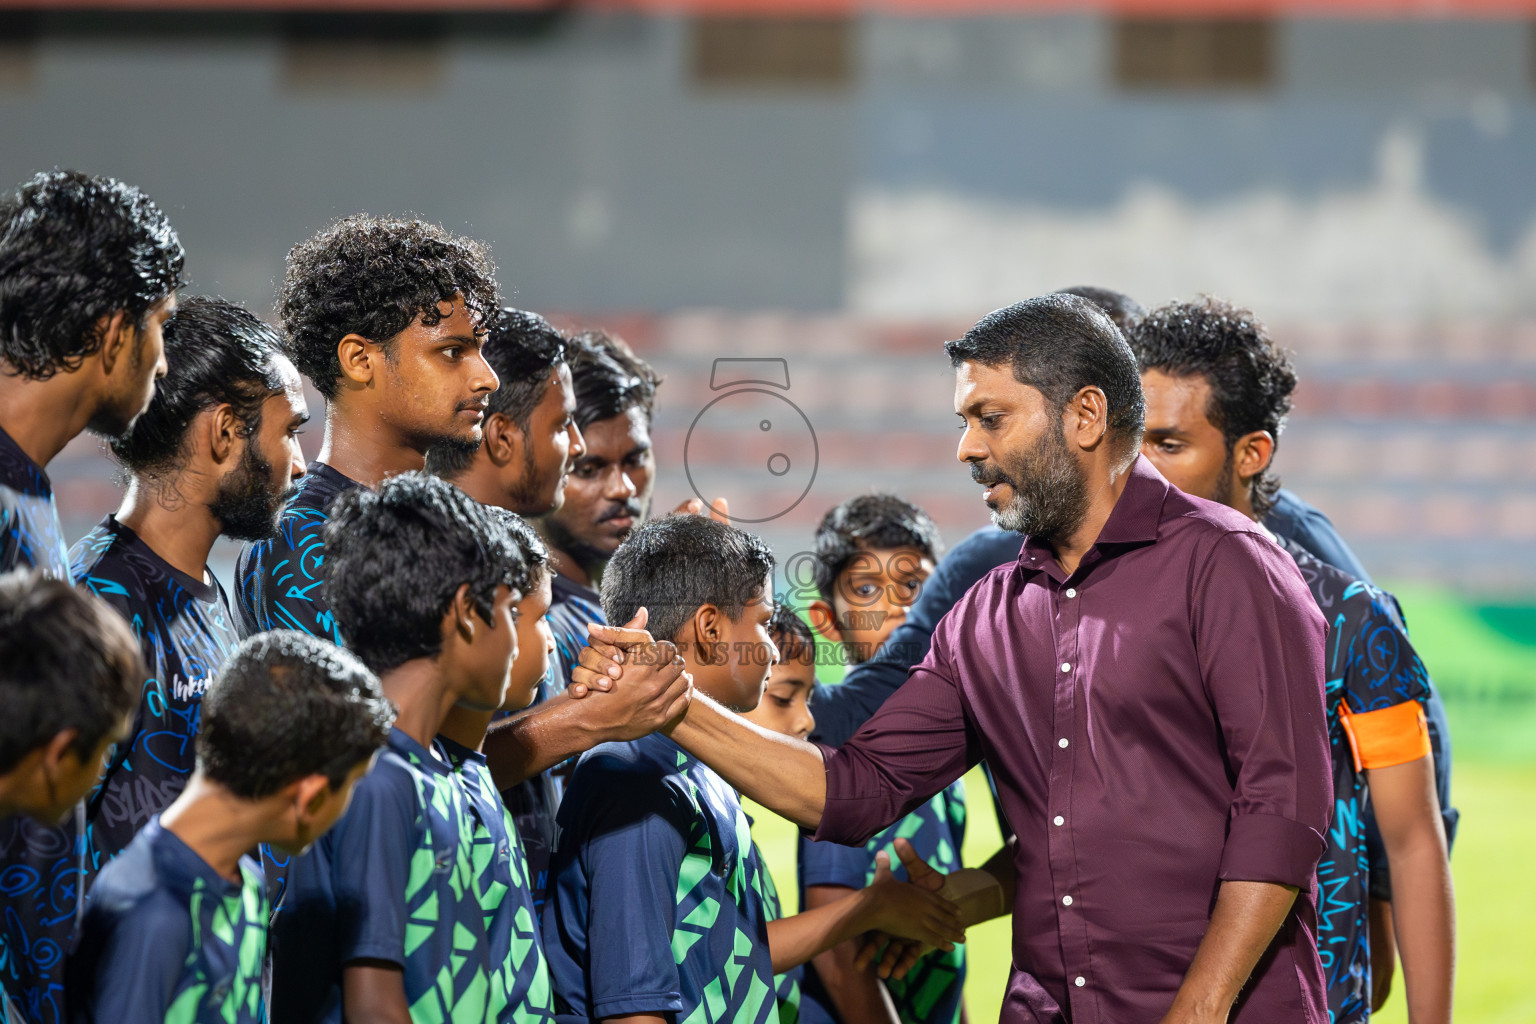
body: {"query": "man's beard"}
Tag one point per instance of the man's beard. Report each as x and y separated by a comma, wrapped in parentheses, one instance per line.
(531, 496)
(1050, 491)
(246, 505)
(112, 420)
(585, 553)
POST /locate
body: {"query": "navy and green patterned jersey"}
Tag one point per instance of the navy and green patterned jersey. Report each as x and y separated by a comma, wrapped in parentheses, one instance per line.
(933, 991)
(166, 938)
(654, 903)
(394, 880)
(786, 986)
(277, 581)
(185, 631)
(30, 534)
(1375, 687)
(520, 992)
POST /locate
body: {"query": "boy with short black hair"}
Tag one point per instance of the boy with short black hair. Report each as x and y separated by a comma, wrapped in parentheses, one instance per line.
(176, 925)
(385, 917)
(70, 670)
(873, 553)
(657, 908)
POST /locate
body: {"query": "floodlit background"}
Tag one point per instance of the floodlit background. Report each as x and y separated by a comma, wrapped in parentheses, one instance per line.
(843, 188)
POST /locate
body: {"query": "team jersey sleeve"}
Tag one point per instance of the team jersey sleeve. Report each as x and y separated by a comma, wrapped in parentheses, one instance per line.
(835, 864)
(372, 860)
(133, 957)
(1385, 688)
(635, 854)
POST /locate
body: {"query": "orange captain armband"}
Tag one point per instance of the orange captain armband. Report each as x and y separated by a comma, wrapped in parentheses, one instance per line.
(1390, 736)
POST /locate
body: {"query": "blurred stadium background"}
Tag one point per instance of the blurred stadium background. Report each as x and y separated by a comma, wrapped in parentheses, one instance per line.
(844, 185)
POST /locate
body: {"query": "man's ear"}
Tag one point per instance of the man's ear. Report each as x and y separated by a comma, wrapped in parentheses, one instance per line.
(1087, 418)
(224, 431)
(1252, 454)
(309, 794)
(503, 440)
(118, 337)
(61, 746)
(358, 358)
(824, 621)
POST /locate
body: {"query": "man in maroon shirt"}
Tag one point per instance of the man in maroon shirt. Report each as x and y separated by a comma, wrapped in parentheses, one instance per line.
(1146, 683)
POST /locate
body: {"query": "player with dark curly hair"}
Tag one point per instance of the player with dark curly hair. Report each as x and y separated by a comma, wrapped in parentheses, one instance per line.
(386, 318)
(89, 269)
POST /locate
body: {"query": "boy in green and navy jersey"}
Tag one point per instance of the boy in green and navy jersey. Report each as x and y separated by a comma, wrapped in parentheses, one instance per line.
(657, 908)
(175, 928)
(394, 913)
(873, 553)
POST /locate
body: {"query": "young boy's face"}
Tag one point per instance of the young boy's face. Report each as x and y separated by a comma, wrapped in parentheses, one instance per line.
(732, 664)
(871, 597)
(785, 707)
(488, 657)
(535, 644)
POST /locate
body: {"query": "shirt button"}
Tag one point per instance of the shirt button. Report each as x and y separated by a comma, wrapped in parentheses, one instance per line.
(1071, 592)
(1066, 666)
(1079, 981)
(1062, 742)
(1066, 901)
(1059, 820)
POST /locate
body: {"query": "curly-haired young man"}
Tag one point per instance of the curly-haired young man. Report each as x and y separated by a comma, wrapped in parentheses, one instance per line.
(386, 319)
(89, 269)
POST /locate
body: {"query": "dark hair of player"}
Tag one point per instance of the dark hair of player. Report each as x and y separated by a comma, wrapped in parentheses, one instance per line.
(1122, 309)
(609, 379)
(791, 634)
(1251, 378)
(219, 353)
(395, 558)
(75, 249)
(374, 277)
(288, 705)
(535, 553)
(1059, 344)
(866, 523)
(524, 349)
(67, 661)
(675, 565)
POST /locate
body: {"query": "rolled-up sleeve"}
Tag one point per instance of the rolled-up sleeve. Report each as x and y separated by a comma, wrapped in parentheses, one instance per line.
(1260, 639)
(919, 742)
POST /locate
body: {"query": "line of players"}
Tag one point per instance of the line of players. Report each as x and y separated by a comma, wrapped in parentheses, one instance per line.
(420, 903)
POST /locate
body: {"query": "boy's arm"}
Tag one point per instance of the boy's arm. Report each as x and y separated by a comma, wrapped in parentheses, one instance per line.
(856, 992)
(1423, 910)
(649, 696)
(907, 910)
(373, 992)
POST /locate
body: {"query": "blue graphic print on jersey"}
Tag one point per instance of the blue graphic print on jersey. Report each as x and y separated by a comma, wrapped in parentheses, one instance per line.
(185, 631)
(520, 988)
(1370, 666)
(167, 939)
(39, 865)
(30, 534)
(393, 880)
(654, 902)
(933, 991)
(277, 581)
(786, 986)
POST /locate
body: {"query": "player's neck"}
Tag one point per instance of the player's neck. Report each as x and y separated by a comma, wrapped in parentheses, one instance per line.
(360, 447)
(466, 727)
(423, 696)
(182, 533)
(217, 825)
(1105, 485)
(29, 413)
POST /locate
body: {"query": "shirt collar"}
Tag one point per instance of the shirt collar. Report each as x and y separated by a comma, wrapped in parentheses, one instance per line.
(1132, 522)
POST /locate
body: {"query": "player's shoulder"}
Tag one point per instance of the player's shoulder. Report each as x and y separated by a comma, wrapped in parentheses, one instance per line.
(96, 560)
(139, 892)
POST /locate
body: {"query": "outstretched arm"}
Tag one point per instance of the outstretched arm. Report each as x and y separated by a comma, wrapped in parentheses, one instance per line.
(902, 909)
(650, 695)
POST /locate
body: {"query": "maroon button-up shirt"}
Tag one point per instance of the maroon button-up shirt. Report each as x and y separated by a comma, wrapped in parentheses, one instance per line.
(1155, 724)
